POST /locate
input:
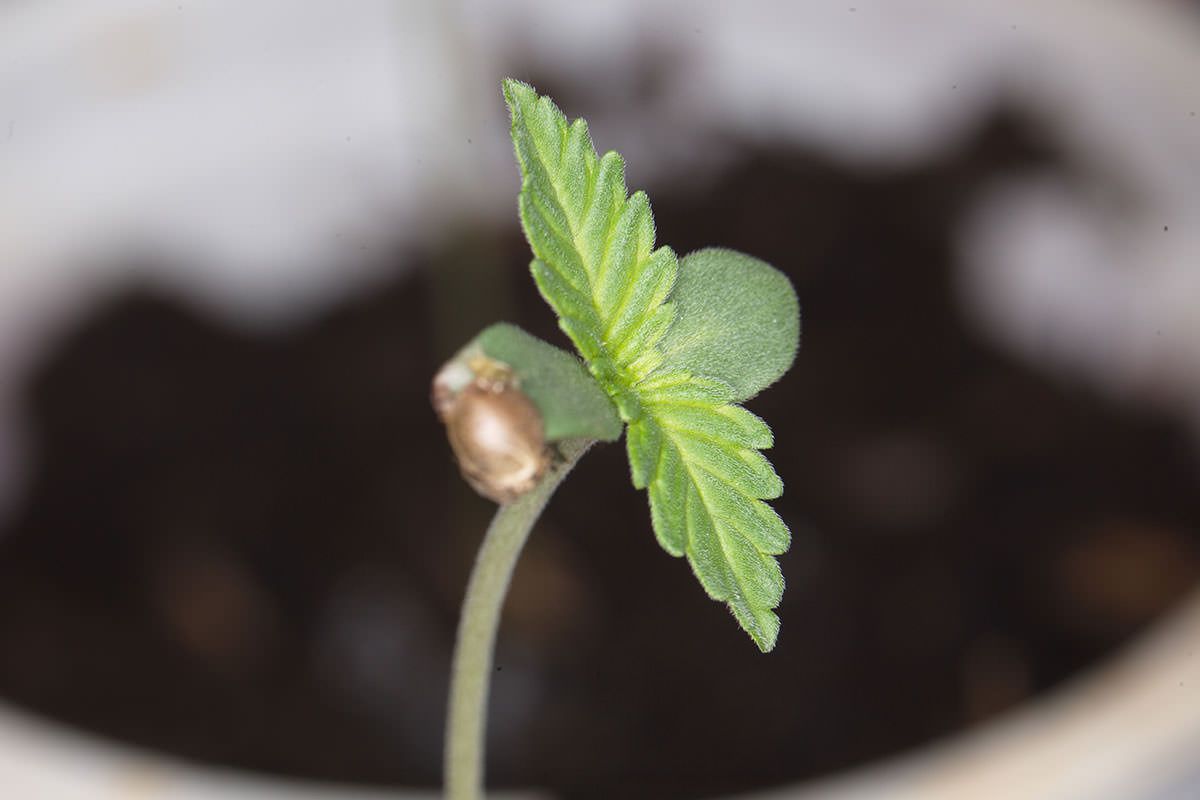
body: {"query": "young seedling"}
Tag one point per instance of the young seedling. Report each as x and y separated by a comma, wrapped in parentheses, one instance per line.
(670, 349)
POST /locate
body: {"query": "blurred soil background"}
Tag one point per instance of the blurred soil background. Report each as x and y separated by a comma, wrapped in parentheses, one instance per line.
(250, 550)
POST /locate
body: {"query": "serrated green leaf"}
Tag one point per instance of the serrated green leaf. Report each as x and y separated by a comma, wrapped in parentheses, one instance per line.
(595, 259)
(737, 320)
(674, 357)
(706, 488)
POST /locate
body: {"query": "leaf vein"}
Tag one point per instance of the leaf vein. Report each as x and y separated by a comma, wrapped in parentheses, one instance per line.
(719, 527)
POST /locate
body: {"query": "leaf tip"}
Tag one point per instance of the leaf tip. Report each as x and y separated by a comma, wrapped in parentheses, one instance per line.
(766, 645)
(518, 95)
(762, 624)
(766, 632)
(513, 88)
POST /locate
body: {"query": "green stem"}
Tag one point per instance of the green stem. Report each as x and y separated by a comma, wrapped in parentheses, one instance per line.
(472, 669)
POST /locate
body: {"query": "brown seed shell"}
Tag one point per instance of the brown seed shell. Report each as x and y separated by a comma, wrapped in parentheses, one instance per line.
(496, 433)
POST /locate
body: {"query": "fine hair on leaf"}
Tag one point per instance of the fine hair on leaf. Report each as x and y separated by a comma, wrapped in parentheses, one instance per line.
(676, 344)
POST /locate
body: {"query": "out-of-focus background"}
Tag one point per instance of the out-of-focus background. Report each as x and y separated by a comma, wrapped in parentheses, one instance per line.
(236, 240)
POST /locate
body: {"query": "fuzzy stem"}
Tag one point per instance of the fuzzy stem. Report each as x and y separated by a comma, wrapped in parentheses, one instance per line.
(471, 673)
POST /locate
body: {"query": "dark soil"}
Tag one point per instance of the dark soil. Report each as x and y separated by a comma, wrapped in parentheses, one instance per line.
(249, 550)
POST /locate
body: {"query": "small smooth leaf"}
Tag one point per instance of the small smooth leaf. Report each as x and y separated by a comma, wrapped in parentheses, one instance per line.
(737, 319)
(572, 404)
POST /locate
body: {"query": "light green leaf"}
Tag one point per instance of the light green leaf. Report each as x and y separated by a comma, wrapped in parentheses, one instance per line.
(673, 358)
(595, 259)
(697, 455)
(737, 319)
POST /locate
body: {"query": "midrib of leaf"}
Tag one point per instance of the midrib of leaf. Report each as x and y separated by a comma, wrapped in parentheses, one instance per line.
(573, 225)
(738, 600)
(722, 529)
(597, 273)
